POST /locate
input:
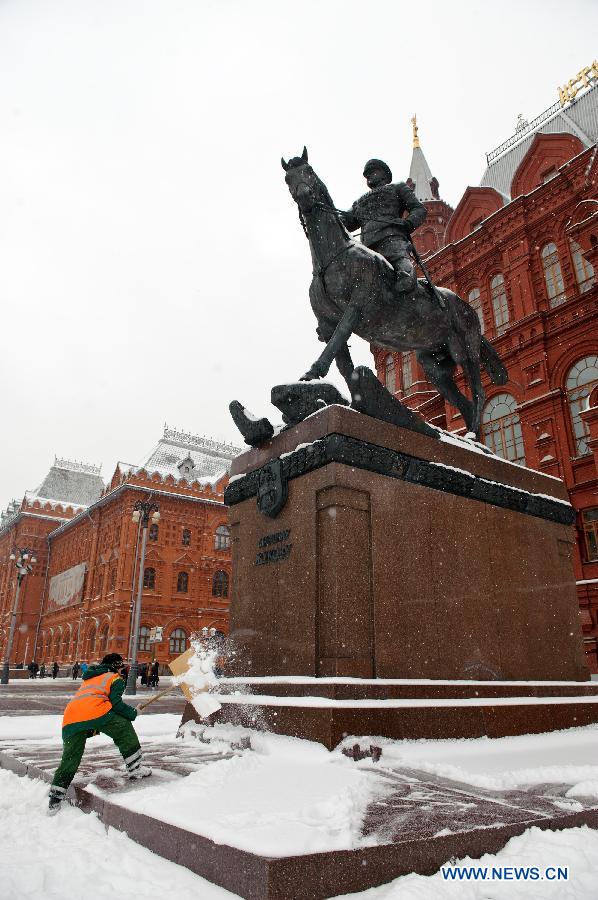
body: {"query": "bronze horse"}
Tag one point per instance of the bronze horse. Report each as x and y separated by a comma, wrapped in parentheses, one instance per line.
(352, 291)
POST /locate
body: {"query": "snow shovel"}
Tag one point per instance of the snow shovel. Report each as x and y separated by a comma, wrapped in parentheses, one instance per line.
(199, 698)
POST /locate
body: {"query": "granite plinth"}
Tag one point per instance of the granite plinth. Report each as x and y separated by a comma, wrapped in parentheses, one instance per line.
(328, 710)
(423, 823)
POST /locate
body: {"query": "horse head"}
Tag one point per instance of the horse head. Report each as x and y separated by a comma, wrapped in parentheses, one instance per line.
(305, 186)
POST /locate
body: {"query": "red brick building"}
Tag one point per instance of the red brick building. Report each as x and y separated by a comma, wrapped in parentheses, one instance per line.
(522, 249)
(78, 602)
(66, 491)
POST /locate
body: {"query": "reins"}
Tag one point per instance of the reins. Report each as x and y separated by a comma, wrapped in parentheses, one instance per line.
(322, 270)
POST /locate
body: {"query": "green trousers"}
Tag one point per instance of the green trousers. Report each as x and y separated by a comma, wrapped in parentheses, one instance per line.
(119, 729)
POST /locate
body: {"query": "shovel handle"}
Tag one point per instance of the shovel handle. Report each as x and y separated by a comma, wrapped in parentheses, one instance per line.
(155, 697)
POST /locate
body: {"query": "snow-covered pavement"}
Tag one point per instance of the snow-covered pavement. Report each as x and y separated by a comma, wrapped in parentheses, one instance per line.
(75, 856)
(576, 848)
(286, 796)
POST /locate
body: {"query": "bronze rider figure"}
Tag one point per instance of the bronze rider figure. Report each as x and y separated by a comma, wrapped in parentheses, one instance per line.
(379, 213)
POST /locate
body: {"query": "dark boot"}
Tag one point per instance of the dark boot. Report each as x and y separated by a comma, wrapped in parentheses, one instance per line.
(57, 796)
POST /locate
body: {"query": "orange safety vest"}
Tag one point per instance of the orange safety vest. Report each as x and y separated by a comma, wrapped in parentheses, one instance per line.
(91, 701)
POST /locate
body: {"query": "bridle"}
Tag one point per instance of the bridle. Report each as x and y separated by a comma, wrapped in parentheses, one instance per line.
(318, 204)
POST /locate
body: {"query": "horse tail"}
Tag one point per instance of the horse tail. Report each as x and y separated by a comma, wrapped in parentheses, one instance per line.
(492, 363)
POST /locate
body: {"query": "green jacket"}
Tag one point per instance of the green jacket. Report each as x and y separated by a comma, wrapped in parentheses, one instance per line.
(118, 707)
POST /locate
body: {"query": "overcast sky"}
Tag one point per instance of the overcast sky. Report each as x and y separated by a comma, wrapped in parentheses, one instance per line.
(152, 266)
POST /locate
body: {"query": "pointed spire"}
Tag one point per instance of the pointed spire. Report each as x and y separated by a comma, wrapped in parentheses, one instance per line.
(424, 186)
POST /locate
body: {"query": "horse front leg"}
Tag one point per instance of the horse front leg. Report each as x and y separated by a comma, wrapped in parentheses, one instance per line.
(344, 364)
(335, 345)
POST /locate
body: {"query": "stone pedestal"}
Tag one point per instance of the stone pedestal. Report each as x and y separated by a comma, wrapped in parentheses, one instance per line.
(400, 556)
(406, 587)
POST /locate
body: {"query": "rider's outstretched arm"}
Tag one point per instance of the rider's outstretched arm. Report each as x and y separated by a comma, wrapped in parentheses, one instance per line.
(349, 220)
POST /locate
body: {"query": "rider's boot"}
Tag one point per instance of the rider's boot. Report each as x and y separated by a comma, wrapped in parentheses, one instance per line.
(406, 281)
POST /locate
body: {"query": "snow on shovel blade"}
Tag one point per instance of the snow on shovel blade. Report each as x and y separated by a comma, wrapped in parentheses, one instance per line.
(205, 704)
(184, 667)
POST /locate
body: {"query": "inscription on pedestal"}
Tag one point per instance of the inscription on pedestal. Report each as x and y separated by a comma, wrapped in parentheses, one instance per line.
(276, 553)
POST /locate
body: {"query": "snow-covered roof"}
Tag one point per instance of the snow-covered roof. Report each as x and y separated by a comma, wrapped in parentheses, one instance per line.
(209, 457)
(68, 482)
(579, 118)
(10, 513)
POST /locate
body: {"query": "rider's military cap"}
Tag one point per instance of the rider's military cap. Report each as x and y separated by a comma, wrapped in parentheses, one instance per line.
(376, 164)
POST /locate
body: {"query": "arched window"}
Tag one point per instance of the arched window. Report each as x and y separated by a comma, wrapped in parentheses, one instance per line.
(153, 532)
(406, 370)
(178, 641)
(144, 638)
(182, 583)
(475, 301)
(186, 537)
(222, 538)
(500, 306)
(390, 381)
(584, 271)
(501, 428)
(553, 276)
(149, 579)
(103, 641)
(590, 530)
(581, 379)
(220, 584)
(66, 644)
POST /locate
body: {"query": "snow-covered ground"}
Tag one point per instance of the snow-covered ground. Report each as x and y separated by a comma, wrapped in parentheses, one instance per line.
(288, 796)
(569, 756)
(575, 848)
(73, 855)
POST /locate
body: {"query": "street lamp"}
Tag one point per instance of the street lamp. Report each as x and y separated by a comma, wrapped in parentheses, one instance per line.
(24, 563)
(142, 512)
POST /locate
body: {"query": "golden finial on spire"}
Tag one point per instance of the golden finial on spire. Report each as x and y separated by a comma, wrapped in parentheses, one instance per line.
(415, 137)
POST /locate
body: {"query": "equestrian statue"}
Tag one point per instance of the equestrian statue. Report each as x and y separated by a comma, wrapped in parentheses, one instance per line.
(355, 289)
(369, 288)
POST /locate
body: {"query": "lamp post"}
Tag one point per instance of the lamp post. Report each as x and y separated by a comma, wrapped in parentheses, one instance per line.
(142, 511)
(24, 563)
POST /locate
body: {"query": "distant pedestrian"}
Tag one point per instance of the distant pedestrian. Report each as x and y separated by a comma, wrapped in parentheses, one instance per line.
(154, 677)
(42, 671)
(97, 707)
(144, 675)
(31, 669)
(83, 669)
(55, 670)
(76, 668)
